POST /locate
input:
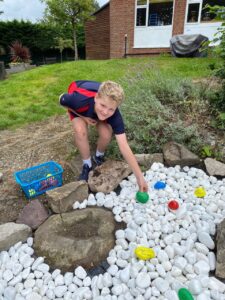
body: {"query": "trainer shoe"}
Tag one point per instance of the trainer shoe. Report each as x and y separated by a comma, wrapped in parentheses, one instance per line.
(85, 172)
(98, 160)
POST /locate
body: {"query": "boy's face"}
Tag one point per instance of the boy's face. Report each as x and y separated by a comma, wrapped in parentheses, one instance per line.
(104, 107)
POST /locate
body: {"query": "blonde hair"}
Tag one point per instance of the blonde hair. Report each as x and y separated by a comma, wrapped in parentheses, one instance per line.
(112, 90)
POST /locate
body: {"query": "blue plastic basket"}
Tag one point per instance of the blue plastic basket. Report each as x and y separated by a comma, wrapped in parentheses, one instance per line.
(37, 180)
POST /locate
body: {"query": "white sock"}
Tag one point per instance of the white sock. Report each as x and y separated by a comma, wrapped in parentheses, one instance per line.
(87, 162)
(98, 153)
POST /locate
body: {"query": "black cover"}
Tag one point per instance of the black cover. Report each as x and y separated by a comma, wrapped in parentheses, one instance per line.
(188, 45)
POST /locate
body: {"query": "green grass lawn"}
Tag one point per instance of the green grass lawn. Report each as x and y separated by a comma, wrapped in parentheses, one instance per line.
(33, 95)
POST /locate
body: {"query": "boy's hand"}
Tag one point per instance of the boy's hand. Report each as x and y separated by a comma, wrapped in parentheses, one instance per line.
(143, 186)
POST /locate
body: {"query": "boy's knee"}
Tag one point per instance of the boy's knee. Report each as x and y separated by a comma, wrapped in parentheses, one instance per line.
(80, 128)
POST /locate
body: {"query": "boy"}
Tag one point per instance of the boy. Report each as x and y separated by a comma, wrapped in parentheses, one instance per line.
(92, 103)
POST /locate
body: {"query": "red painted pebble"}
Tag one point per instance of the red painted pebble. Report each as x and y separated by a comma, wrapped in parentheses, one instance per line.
(173, 205)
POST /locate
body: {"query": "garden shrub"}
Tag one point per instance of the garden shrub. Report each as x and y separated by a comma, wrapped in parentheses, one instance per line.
(154, 112)
(19, 53)
(218, 101)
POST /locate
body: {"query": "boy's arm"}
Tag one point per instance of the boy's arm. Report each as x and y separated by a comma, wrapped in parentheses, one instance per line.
(131, 160)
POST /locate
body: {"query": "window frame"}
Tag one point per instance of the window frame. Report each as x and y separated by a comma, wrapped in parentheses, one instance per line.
(199, 15)
(146, 13)
(146, 6)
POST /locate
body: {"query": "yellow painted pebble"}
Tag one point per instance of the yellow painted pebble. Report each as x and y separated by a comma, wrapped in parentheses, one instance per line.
(200, 192)
(144, 253)
(49, 175)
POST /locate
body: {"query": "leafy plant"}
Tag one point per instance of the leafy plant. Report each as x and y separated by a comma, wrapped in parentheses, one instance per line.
(19, 53)
(207, 151)
(212, 152)
(218, 102)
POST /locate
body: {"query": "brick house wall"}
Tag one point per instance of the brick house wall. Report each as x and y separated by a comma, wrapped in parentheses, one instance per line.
(179, 16)
(97, 35)
(121, 20)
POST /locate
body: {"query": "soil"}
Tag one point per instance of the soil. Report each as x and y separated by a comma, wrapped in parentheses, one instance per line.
(28, 146)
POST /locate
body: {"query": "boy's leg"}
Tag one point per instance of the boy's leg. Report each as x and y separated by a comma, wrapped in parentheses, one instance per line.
(80, 129)
(105, 135)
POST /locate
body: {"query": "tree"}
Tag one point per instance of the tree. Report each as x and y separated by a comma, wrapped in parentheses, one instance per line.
(69, 12)
(1, 12)
(61, 44)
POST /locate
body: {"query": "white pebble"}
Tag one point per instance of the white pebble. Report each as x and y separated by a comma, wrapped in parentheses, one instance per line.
(201, 267)
(161, 284)
(143, 280)
(7, 275)
(68, 278)
(59, 280)
(215, 284)
(195, 287)
(60, 290)
(44, 268)
(212, 261)
(206, 239)
(37, 262)
(9, 293)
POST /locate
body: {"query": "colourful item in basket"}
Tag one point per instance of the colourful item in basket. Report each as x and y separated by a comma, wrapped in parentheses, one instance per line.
(200, 192)
(50, 182)
(184, 294)
(173, 205)
(144, 253)
(160, 185)
(31, 192)
(142, 197)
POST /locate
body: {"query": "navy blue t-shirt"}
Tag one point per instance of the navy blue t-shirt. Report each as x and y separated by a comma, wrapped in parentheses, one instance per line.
(80, 98)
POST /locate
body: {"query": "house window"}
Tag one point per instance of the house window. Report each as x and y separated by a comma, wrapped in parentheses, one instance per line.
(154, 12)
(141, 17)
(206, 16)
(141, 12)
(193, 12)
(197, 11)
(160, 12)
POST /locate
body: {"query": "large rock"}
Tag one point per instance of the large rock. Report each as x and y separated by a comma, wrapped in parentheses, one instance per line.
(147, 160)
(214, 167)
(177, 154)
(220, 244)
(62, 199)
(12, 233)
(33, 214)
(107, 177)
(82, 237)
